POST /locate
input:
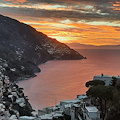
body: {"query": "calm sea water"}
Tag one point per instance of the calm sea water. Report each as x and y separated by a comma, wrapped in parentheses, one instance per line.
(62, 80)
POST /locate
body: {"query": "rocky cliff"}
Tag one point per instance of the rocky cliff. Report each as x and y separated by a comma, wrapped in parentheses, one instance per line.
(23, 48)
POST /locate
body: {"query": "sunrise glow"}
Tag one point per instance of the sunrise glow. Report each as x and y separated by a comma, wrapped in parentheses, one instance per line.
(86, 22)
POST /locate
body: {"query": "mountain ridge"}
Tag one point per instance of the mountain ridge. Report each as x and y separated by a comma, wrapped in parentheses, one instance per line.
(26, 48)
(86, 46)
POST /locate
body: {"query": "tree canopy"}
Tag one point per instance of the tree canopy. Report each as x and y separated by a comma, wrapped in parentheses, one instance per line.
(113, 82)
(100, 91)
(94, 83)
(104, 94)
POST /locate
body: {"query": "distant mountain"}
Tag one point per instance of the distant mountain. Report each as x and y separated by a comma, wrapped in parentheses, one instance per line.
(22, 48)
(85, 46)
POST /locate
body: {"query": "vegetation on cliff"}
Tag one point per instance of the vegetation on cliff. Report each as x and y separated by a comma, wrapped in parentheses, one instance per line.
(23, 48)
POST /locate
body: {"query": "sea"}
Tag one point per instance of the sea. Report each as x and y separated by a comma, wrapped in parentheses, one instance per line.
(65, 79)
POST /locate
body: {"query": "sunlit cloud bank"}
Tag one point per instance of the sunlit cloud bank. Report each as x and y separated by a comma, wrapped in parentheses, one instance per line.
(94, 22)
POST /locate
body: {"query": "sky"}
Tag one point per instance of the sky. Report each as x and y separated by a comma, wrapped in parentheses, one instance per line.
(95, 22)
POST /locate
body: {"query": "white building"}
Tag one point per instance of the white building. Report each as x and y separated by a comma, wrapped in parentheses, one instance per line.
(2, 107)
(66, 104)
(106, 78)
(27, 118)
(91, 113)
(57, 114)
(13, 117)
(46, 117)
(74, 111)
(41, 112)
(49, 110)
(83, 96)
(20, 101)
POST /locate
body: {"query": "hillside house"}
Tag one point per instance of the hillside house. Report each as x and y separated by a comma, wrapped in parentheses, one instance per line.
(83, 96)
(106, 78)
(66, 105)
(27, 118)
(53, 115)
(90, 113)
(74, 111)
(49, 110)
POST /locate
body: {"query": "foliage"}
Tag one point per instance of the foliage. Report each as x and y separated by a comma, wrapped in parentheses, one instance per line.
(114, 113)
(59, 118)
(115, 116)
(94, 83)
(104, 94)
(113, 82)
(67, 117)
(118, 86)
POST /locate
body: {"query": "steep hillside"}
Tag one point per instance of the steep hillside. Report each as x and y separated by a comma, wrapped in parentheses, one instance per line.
(23, 48)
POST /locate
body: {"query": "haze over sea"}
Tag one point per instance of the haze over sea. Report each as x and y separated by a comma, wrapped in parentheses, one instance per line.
(65, 79)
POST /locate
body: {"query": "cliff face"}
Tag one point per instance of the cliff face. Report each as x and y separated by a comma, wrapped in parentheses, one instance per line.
(24, 48)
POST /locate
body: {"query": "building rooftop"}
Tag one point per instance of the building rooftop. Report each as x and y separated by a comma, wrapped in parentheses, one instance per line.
(103, 76)
(82, 96)
(27, 117)
(68, 106)
(108, 76)
(76, 105)
(58, 115)
(53, 114)
(46, 116)
(71, 101)
(91, 109)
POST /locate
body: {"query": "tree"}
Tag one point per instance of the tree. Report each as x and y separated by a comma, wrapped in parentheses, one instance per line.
(94, 83)
(118, 86)
(115, 106)
(103, 94)
(113, 82)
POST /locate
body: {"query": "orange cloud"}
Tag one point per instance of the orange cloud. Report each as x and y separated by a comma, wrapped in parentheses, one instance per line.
(117, 9)
(116, 6)
(17, 1)
(84, 33)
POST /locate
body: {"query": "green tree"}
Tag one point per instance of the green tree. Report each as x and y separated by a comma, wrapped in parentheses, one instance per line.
(118, 86)
(104, 94)
(115, 106)
(94, 83)
(113, 82)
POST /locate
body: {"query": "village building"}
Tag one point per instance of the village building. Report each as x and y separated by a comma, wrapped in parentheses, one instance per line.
(2, 107)
(41, 112)
(74, 111)
(106, 78)
(27, 118)
(20, 101)
(48, 110)
(91, 113)
(67, 104)
(53, 115)
(83, 96)
(46, 117)
(13, 117)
